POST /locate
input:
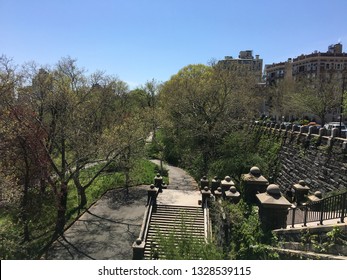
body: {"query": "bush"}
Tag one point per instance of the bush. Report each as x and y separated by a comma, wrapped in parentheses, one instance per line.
(187, 247)
(240, 151)
(240, 234)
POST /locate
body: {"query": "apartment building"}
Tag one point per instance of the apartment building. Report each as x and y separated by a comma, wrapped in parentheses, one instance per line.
(314, 65)
(246, 59)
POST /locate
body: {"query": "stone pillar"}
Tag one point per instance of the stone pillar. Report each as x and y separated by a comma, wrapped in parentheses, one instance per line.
(138, 249)
(322, 132)
(215, 184)
(334, 132)
(313, 201)
(312, 130)
(300, 192)
(273, 208)
(232, 195)
(152, 194)
(226, 184)
(206, 194)
(204, 183)
(253, 183)
(218, 193)
(158, 182)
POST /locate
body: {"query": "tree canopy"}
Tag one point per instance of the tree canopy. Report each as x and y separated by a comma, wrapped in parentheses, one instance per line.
(201, 105)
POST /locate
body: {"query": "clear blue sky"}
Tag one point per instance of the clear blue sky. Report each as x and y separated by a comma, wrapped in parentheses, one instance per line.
(139, 40)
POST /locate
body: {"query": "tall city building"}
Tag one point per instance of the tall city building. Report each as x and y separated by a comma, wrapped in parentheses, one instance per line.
(247, 60)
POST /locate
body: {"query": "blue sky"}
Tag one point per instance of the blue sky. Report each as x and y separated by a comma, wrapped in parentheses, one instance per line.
(140, 40)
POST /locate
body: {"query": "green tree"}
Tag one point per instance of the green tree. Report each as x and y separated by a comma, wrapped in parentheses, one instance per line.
(24, 159)
(201, 105)
(24, 166)
(9, 80)
(280, 99)
(317, 96)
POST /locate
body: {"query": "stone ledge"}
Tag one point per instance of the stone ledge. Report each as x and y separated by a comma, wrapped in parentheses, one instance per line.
(306, 255)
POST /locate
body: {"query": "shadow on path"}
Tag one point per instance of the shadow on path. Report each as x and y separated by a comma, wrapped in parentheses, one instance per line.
(106, 230)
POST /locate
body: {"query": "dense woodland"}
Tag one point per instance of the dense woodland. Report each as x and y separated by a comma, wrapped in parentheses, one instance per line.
(61, 130)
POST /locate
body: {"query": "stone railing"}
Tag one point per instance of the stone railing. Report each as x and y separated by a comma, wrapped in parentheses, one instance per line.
(207, 222)
(140, 243)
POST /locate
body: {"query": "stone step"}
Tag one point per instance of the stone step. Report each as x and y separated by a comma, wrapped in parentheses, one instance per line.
(149, 251)
(178, 209)
(154, 238)
(176, 212)
(177, 220)
(170, 231)
(178, 217)
(182, 221)
(176, 226)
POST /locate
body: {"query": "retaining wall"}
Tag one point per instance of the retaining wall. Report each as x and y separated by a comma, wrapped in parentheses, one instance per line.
(318, 159)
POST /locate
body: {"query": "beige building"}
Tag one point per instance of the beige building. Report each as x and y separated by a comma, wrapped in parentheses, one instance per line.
(315, 65)
(245, 59)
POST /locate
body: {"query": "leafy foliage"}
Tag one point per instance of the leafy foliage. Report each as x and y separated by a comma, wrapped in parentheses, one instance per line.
(56, 123)
(181, 244)
(201, 105)
(240, 234)
(242, 149)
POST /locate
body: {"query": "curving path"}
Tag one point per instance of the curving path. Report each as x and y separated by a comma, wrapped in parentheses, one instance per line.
(178, 178)
(107, 230)
(182, 188)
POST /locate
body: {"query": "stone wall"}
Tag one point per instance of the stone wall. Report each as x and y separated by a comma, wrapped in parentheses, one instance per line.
(318, 159)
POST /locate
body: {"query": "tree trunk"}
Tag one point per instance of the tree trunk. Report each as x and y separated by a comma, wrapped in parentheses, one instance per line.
(81, 191)
(24, 206)
(127, 181)
(62, 205)
(24, 213)
(83, 198)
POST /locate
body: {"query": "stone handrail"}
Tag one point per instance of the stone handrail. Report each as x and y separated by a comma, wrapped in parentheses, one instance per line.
(207, 223)
(140, 243)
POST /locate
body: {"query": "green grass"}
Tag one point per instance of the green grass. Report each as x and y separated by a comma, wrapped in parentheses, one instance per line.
(144, 173)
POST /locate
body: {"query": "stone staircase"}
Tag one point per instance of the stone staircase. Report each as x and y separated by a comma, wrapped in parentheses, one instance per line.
(173, 221)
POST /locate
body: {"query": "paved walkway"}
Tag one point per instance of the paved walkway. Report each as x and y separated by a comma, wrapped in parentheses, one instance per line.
(181, 190)
(108, 229)
(178, 178)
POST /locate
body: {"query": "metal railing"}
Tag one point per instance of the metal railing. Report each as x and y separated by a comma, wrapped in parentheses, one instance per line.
(334, 207)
